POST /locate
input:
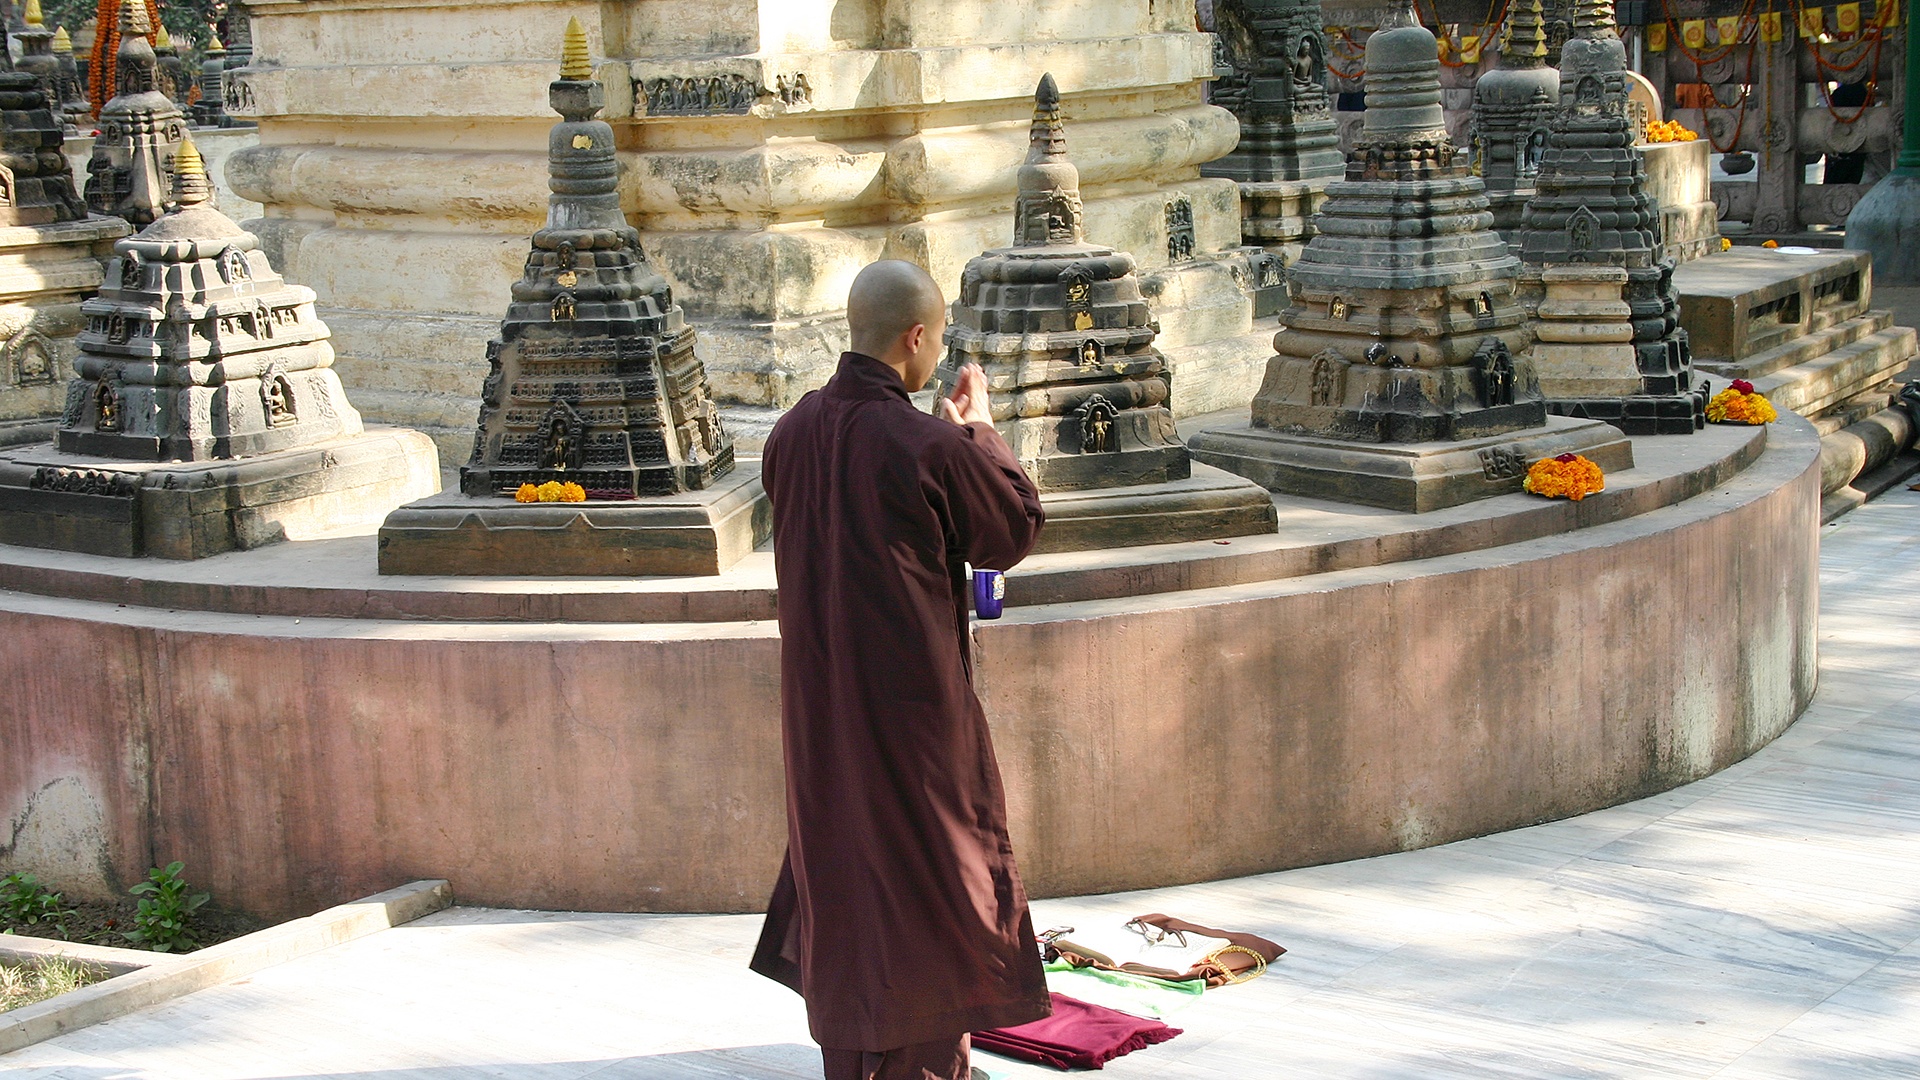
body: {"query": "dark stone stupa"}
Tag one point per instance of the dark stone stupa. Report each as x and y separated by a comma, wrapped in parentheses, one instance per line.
(592, 382)
(36, 183)
(1513, 108)
(1404, 374)
(1590, 206)
(1079, 391)
(140, 130)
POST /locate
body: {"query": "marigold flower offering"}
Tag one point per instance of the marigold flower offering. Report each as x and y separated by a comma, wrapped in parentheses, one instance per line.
(1569, 476)
(1739, 404)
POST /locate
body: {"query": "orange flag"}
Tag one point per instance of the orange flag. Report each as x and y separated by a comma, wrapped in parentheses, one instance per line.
(1771, 28)
(1729, 29)
(1813, 23)
(1657, 37)
(1846, 19)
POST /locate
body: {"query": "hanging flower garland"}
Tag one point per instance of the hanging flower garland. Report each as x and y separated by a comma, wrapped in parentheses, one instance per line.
(101, 75)
(551, 491)
(1741, 404)
(1568, 476)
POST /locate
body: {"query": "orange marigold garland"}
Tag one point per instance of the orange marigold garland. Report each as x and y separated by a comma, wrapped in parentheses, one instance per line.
(1568, 476)
(102, 75)
(1739, 404)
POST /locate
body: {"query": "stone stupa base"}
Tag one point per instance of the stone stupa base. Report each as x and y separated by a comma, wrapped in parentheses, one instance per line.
(193, 509)
(696, 533)
(1208, 505)
(1640, 414)
(1278, 216)
(1414, 477)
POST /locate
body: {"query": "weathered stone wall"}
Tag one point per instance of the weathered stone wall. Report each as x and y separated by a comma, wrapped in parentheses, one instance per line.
(401, 165)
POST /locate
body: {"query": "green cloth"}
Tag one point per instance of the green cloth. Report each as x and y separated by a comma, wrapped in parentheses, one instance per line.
(1135, 995)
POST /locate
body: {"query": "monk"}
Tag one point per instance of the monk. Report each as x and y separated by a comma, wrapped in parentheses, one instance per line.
(899, 914)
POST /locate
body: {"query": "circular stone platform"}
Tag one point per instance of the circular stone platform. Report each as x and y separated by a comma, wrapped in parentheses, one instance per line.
(301, 730)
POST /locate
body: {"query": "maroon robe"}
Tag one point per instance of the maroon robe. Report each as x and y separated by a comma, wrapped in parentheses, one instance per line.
(899, 914)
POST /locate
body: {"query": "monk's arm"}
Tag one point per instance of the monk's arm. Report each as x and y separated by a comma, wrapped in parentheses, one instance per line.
(996, 509)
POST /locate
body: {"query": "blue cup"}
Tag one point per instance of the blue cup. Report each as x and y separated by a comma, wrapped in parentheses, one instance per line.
(989, 593)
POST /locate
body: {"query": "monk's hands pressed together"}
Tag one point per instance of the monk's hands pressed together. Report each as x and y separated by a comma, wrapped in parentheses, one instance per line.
(968, 402)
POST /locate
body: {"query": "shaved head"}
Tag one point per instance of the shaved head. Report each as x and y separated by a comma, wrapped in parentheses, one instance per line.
(888, 299)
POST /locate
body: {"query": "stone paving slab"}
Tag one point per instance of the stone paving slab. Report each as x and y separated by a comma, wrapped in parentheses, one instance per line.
(1764, 922)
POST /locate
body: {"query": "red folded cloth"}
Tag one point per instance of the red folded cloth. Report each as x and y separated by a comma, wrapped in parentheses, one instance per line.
(1076, 1036)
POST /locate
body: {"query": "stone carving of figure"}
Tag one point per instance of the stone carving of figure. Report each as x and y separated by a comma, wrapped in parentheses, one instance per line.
(1495, 364)
(106, 400)
(1308, 64)
(132, 273)
(565, 308)
(1583, 231)
(1096, 426)
(1090, 353)
(1328, 377)
(802, 90)
(1536, 149)
(276, 394)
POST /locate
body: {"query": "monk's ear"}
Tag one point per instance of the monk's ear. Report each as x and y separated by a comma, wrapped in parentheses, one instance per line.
(915, 337)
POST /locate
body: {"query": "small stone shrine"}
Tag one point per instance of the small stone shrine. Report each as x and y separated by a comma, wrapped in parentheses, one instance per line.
(1513, 107)
(173, 71)
(205, 416)
(210, 110)
(1590, 205)
(140, 128)
(50, 249)
(1403, 376)
(73, 93)
(1077, 387)
(593, 384)
(1289, 147)
(36, 54)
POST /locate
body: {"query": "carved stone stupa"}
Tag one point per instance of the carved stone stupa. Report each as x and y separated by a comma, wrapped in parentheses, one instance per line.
(140, 129)
(593, 382)
(210, 110)
(1403, 375)
(1078, 389)
(36, 183)
(1513, 107)
(1590, 206)
(36, 55)
(73, 93)
(1289, 148)
(205, 416)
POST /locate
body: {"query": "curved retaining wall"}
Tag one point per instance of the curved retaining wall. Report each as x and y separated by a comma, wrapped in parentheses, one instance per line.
(1146, 740)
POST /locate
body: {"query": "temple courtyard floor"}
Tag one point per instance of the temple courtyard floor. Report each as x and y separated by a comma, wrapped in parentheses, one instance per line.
(1764, 922)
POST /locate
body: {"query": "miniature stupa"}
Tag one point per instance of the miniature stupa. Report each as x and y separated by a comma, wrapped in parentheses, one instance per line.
(36, 183)
(1513, 108)
(1289, 147)
(1590, 206)
(1082, 396)
(205, 415)
(140, 129)
(196, 349)
(210, 110)
(593, 385)
(173, 71)
(36, 54)
(73, 94)
(1403, 375)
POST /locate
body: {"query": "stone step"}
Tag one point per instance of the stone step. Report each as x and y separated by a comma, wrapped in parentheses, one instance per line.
(1845, 374)
(1800, 350)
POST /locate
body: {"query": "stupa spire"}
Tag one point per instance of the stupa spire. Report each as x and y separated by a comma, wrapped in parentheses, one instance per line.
(190, 184)
(576, 64)
(32, 14)
(1594, 19)
(133, 20)
(1526, 36)
(62, 42)
(1048, 209)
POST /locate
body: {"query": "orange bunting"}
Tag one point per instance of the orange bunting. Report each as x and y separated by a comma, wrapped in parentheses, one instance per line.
(1813, 23)
(1693, 33)
(1729, 29)
(1846, 19)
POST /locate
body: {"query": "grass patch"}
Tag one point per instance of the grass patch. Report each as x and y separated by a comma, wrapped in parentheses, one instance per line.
(49, 977)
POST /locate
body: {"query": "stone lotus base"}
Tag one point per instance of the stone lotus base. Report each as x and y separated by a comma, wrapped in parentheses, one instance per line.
(304, 730)
(700, 532)
(1416, 477)
(190, 510)
(1209, 505)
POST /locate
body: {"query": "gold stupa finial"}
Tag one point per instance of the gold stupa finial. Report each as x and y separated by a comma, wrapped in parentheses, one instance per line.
(161, 39)
(213, 45)
(133, 19)
(190, 184)
(575, 62)
(62, 42)
(32, 14)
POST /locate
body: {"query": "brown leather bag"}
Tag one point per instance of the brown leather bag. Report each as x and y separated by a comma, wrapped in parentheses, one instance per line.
(1243, 957)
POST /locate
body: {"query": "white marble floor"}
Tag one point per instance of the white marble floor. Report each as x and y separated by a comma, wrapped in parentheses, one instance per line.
(1762, 923)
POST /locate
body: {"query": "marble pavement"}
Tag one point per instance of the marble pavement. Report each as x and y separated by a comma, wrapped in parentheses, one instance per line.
(1764, 922)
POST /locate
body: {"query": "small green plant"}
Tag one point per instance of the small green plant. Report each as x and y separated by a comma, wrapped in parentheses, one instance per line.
(25, 904)
(42, 979)
(165, 916)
